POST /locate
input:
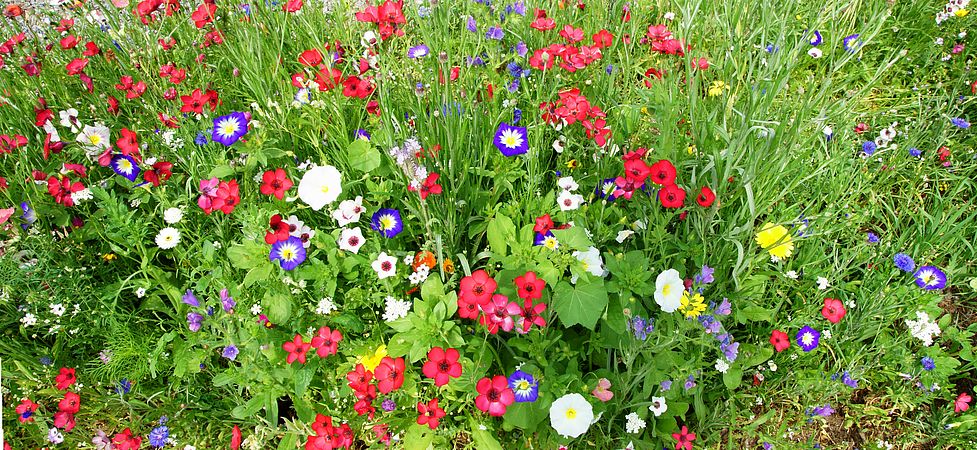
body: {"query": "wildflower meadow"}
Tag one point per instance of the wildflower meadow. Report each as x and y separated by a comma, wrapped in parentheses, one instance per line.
(488, 224)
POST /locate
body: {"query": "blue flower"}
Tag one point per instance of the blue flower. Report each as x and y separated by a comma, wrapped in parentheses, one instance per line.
(915, 152)
(201, 139)
(705, 275)
(725, 308)
(387, 221)
(641, 327)
(524, 386)
(230, 352)
(823, 411)
(29, 216)
(495, 33)
(362, 134)
(194, 321)
(191, 299)
(159, 435)
(930, 278)
(418, 51)
(872, 238)
(960, 123)
(848, 380)
(125, 166)
(289, 253)
(511, 140)
(124, 387)
(904, 262)
(816, 38)
(228, 129)
(730, 351)
(851, 43)
(666, 385)
(928, 363)
(869, 147)
(808, 338)
(522, 49)
(472, 26)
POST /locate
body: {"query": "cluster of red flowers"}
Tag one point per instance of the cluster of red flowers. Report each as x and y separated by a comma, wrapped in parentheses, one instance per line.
(387, 377)
(663, 174)
(662, 41)
(328, 76)
(389, 17)
(126, 441)
(326, 343)
(573, 107)
(67, 407)
(571, 58)
(477, 300)
(218, 195)
(194, 103)
(328, 436)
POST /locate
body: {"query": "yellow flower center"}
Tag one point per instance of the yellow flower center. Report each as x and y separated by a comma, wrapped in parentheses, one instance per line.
(324, 189)
(666, 289)
(288, 253)
(571, 414)
(95, 139)
(523, 385)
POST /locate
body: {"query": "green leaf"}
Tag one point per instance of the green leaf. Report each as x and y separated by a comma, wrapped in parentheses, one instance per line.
(418, 437)
(581, 304)
(733, 378)
(500, 232)
(573, 237)
(302, 378)
(248, 409)
(258, 274)
(279, 308)
(362, 156)
(432, 289)
(753, 313)
(247, 254)
(484, 440)
(221, 171)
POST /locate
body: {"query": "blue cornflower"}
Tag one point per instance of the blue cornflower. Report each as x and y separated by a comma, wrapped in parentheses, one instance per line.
(46, 360)
(915, 152)
(159, 435)
(928, 363)
(29, 216)
(124, 387)
(472, 26)
(201, 139)
(869, 147)
(904, 262)
(960, 123)
(872, 238)
(524, 386)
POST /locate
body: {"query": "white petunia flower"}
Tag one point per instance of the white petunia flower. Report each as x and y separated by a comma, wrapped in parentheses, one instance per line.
(591, 261)
(571, 415)
(668, 290)
(320, 186)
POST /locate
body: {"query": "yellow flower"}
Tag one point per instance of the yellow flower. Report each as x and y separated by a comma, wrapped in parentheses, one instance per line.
(109, 257)
(573, 164)
(449, 266)
(692, 305)
(776, 240)
(961, 12)
(716, 88)
(691, 149)
(370, 362)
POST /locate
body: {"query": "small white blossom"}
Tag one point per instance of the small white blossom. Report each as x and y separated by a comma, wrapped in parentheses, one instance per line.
(396, 309)
(255, 309)
(326, 306)
(173, 216)
(28, 320)
(635, 424)
(721, 365)
(168, 238)
(823, 283)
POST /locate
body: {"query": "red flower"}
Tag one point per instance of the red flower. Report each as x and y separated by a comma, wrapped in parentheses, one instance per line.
(861, 128)
(328, 78)
(275, 182)
(572, 35)
(356, 87)
(543, 24)
(467, 309)
(126, 441)
(292, 6)
(326, 342)
(543, 224)
(25, 410)
(494, 395)
(65, 379)
(235, 438)
(226, 198)
(194, 102)
(531, 315)
(279, 230)
(128, 143)
(70, 404)
(603, 39)
(359, 378)
(113, 107)
(389, 374)
(91, 49)
(478, 287)
(706, 197)
(658, 33)
(779, 340)
(530, 287)
(364, 401)
(429, 414)
(962, 403)
(636, 171)
(672, 196)
(311, 58)
(10, 143)
(430, 186)
(542, 59)
(684, 439)
(442, 365)
(64, 420)
(296, 348)
(833, 310)
(204, 14)
(68, 42)
(663, 173)
(160, 172)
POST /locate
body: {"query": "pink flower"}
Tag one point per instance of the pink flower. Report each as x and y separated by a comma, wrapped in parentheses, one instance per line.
(603, 390)
(962, 403)
(498, 314)
(494, 395)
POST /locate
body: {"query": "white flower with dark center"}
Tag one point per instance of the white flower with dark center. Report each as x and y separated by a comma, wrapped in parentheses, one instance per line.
(658, 406)
(385, 265)
(567, 184)
(568, 201)
(28, 320)
(351, 239)
(57, 309)
(348, 211)
(168, 238)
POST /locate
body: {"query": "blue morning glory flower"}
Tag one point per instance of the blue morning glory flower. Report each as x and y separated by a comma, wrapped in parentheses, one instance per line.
(816, 38)
(387, 221)
(524, 386)
(851, 43)
(289, 252)
(808, 338)
(362, 134)
(511, 140)
(228, 129)
(418, 51)
(930, 278)
(125, 166)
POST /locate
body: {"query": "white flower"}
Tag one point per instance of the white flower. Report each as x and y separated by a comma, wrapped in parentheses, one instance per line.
(141, 292)
(369, 39)
(57, 309)
(792, 274)
(167, 238)
(823, 283)
(54, 436)
(658, 406)
(255, 309)
(348, 211)
(69, 119)
(571, 415)
(395, 309)
(567, 184)
(669, 16)
(826, 334)
(385, 265)
(635, 424)
(94, 139)
(668, 290)
(922, 328)
(827, 131)
(351, 240)
(772, 365)
(326, 306)
(558, 146)
(82, 195)
(815, 52)
(28, 320)
(320, 186)
(622, 235)
(939, 41)
(591, 262)
(721, 365)
(568, 201)
(173, 216)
